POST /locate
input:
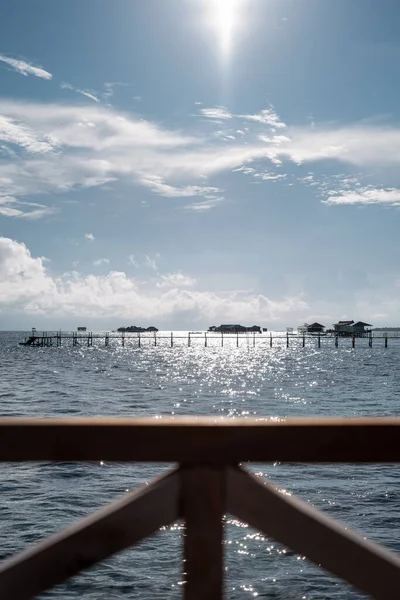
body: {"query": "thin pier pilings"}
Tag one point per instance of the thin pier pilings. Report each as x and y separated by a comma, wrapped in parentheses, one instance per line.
(207, 339)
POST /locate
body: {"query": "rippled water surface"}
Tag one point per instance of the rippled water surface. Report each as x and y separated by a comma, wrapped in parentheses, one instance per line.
(38, 499)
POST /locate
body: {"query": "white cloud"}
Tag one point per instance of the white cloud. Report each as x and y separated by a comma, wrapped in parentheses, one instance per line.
(204, 205)
(89, 236)
(270, 176)
(12, 132)
(156, 183)
(55, 148)
(365, 196)
(87, 93)
(29, 215)
(26, 286)
(110, 88)
(268, 116)
(25, 68)
(216, 113)
(150, 263)
(132, 261)
(175, 280)
(101, 261)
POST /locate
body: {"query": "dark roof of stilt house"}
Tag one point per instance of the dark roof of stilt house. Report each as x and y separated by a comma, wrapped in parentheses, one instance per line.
(316, 325)
(361, 323)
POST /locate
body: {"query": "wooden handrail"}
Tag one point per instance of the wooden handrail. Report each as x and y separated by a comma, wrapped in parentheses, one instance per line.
(202, 440)
(208, 483)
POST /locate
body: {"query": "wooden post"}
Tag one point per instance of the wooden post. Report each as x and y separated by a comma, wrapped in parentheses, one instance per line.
(370, 339)
(106, 340)
(172, 339)
(336, 340)
(222, 339)
(189, 339)
(353, 341)
(123, 339)
(319, 340)
(205, 339)
(287, 339)
(270, 339)
(88, 340)
(386, 340)
(203, 503)
(237, 339)
(139, 339)
(304, 339)
(254, 339)
(155, 338)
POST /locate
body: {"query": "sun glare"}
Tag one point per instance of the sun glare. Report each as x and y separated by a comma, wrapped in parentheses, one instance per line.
(225, 20)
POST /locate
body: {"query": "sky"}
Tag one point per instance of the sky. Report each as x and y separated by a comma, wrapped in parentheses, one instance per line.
(186, 163)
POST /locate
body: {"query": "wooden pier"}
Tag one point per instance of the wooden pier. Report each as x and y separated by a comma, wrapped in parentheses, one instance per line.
(208, 483)
(206, 339)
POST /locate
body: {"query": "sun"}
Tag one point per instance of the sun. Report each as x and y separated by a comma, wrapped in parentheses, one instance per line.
(224, 15)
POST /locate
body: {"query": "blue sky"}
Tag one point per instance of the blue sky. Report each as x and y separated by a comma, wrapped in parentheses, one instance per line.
(185, 163)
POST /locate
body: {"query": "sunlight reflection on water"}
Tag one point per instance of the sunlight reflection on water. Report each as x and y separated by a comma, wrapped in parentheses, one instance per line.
(228, 382)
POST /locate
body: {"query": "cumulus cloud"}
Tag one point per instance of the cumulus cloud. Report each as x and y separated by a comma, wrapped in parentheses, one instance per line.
(89, 236)
(26, 286)
(25, 68)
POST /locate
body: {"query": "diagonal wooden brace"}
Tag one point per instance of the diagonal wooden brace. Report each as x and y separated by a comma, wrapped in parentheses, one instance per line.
(133, 517)
(368, 566)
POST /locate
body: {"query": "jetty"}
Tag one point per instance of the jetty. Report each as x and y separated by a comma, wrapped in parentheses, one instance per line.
(208, 479)
(206, 339)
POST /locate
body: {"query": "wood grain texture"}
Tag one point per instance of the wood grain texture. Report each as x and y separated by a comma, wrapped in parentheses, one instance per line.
(203, 504)
(135, 516)
(306, 530)
(200, 440)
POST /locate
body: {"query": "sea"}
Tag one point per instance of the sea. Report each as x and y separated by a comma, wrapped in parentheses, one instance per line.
(241, 379)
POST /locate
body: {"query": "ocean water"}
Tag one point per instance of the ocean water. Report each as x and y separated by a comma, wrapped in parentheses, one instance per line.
(41, 498)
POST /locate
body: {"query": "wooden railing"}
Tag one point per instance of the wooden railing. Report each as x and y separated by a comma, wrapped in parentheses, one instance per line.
(207, 483)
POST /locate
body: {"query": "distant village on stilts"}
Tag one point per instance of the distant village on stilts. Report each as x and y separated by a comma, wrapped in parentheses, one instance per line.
(216, 335)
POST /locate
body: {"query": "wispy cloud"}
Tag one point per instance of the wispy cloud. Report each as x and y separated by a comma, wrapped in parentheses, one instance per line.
(268, 116)
(101, 261)
(25, 68)
(150, 263)
(175, 280)
(110, 88)
(132, 261)
(12, 132)
(52, 149)
(157, 184)
(29, 215)
(204, 205)
(89, 94)
(216, 113)
(89, 236)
